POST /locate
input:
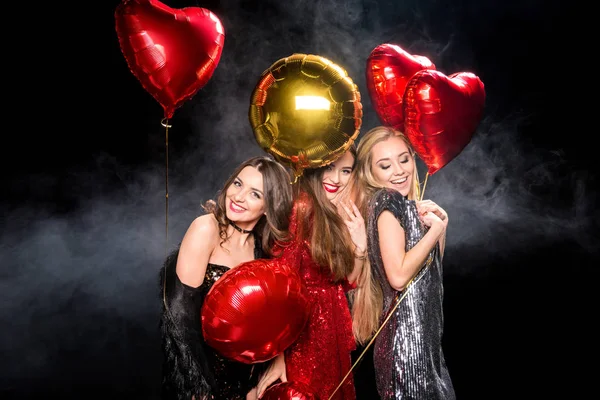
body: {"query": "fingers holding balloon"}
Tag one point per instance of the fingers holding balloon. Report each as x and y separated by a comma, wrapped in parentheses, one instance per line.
(432, 214)
(275, 371)
(430, 218)
(267, 380)
(426, 206)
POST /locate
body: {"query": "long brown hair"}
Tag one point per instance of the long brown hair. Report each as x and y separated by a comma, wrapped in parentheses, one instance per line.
(273, 226)
(367, 299)
(330, 242)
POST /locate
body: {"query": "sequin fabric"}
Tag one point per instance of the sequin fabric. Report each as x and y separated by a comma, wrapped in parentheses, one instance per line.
(234, 379)
(321, 356)
(193, 369)
(407, 355)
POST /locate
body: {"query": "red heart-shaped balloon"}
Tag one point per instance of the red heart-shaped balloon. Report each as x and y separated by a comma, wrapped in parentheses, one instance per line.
(172, 52)
(441, 114)
(389, 68)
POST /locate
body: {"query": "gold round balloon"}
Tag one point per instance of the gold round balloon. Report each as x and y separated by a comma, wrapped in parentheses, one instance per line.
(305, 111)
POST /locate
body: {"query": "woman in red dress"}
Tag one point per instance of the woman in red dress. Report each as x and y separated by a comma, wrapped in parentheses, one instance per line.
(328, 249)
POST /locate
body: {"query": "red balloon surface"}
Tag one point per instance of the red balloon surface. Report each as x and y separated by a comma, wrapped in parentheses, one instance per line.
(172, 52)
(255, 311)
(389, 68)
(442, 113)
(289, 391)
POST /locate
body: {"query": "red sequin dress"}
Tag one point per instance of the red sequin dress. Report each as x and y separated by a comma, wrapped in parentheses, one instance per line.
(321, 356)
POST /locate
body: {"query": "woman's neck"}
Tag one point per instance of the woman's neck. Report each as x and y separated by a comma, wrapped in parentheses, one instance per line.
(239, 229)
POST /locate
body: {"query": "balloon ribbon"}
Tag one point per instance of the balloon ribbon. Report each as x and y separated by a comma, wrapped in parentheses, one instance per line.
(165, 123)
(422, 191)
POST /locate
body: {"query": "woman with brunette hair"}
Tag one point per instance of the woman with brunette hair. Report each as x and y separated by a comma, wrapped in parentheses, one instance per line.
(328, 249)
(250, 215)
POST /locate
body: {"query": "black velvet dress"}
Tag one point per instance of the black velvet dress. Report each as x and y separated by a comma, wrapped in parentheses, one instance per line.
(191, 368)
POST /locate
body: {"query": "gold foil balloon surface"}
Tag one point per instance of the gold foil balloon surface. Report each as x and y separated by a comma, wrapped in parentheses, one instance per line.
(305, 111)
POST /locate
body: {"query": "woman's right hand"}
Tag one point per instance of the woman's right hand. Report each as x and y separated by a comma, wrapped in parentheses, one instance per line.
(430, 219)
(275, 371)
(356, 227)
(432, 215)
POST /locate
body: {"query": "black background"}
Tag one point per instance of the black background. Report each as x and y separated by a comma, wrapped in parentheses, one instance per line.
(85, 225)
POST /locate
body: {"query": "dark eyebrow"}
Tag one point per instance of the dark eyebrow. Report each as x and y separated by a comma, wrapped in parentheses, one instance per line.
(255, 189)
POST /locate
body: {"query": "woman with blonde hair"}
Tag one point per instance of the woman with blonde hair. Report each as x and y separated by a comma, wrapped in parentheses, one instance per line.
(406, 242)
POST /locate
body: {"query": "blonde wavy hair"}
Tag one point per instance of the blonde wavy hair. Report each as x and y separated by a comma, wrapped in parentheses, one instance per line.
(367, 299)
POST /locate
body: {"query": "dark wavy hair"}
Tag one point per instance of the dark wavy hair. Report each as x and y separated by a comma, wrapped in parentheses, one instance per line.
(273, 226)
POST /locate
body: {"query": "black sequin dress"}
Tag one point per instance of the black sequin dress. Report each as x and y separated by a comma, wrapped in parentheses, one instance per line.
(190, 366)
(407, 355)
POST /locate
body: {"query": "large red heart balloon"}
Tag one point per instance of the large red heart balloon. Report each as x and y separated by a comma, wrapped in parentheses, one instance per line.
(441, 114)
(389, 68)
(255, 311)
(172, 52)
(289, 390)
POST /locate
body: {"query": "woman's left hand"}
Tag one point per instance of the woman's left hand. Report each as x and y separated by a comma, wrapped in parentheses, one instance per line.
(425, 206)
(356, 226)
(275, 371)
(252, 394)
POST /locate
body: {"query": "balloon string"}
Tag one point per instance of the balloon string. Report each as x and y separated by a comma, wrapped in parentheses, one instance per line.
(424, 185)
(297, 173)
(165, 122)
(391, 312)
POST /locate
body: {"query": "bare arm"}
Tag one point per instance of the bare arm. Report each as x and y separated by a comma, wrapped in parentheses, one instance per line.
(401, 266)
(196, 247)
(442, 244)
(359, 262)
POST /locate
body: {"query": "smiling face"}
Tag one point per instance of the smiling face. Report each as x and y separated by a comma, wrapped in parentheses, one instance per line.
(245, 200)
(392, 165)
(337, 175)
